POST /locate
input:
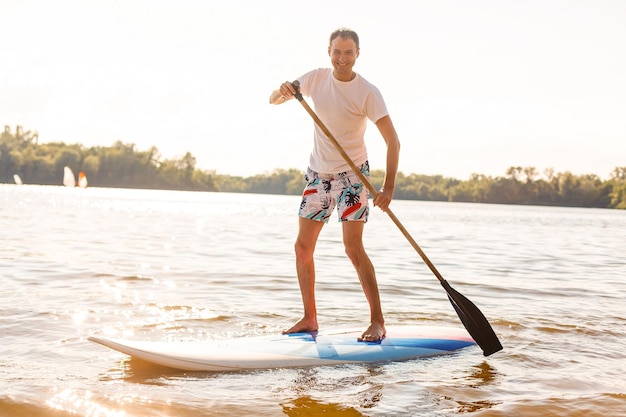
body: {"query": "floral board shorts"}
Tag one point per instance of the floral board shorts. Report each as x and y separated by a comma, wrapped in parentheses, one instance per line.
(325, 191)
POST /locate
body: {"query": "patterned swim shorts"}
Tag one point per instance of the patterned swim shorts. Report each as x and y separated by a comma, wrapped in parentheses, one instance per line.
(325, 191)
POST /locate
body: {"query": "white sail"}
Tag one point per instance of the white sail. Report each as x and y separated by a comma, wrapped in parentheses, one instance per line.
(68, 177)
(17, 179)
(82, 180)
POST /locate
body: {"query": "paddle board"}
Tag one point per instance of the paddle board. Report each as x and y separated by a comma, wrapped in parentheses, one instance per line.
(293, 350)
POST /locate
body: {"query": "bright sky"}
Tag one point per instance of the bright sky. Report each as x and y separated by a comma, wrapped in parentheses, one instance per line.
(472, 86)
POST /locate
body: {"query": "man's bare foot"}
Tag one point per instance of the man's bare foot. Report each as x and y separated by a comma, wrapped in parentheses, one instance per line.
(374, 333)
(303, 326)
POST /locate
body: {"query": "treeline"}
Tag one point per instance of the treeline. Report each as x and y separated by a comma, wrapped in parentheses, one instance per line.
(119, 166)
(519, 186)
(123, 166)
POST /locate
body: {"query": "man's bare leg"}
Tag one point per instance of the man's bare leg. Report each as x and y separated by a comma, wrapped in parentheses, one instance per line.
(353, 242)
(308, 233)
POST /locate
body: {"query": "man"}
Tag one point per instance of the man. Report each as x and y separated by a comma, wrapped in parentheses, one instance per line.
(344, 101)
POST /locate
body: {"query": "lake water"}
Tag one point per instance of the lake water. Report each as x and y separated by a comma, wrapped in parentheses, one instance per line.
(161, 265)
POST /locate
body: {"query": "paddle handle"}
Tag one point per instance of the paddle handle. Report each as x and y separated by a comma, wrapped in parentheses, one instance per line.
(364, 180)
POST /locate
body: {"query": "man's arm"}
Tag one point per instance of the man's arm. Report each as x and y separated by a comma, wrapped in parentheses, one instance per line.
(389, 134)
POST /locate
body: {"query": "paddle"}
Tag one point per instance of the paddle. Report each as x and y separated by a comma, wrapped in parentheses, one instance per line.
(472, 318)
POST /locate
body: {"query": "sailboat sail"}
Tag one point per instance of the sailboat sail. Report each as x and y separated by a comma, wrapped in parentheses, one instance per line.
(68, 177)
(82, 180)
(17, 179)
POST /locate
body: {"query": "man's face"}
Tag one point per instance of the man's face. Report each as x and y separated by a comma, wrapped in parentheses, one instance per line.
(343, 54)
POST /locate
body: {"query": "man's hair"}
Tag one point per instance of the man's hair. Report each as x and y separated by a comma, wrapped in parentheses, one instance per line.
(344, 33)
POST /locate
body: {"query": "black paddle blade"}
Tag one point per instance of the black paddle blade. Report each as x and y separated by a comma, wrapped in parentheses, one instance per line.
(474, 321)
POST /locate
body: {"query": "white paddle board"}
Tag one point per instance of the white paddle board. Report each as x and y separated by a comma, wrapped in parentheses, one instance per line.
(293, 350)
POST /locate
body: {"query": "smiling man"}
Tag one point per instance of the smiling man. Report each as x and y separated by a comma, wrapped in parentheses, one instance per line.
(344, 101)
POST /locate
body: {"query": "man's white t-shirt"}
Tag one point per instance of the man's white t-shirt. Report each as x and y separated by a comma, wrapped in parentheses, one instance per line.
(344, 107)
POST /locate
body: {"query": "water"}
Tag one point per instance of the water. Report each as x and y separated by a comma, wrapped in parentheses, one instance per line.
(162, 265)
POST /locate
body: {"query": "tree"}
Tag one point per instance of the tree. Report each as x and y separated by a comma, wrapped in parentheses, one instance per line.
(617, 195)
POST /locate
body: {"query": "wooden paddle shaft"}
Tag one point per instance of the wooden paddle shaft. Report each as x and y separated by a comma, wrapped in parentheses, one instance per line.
(365, 181)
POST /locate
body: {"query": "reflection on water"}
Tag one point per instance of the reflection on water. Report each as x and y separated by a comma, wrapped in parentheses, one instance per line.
(72, 402)
(465, 393)
(136, 371)
(481, 375)
(361, 387)
(307, 406)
